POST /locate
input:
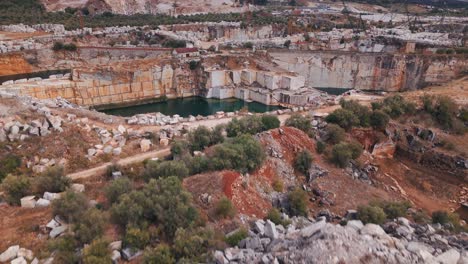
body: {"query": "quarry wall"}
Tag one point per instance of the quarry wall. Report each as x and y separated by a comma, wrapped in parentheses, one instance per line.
(105, 88)
(371, 71)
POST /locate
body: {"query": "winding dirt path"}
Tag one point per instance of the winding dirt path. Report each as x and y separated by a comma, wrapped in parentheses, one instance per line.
(123, 162)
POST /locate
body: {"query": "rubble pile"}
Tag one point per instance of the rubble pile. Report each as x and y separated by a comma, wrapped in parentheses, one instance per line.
(399, 241)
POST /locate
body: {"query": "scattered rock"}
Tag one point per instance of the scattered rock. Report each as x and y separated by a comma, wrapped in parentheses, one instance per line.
(145, 145)
(270, 230)
(28, 201)
(19, 260)
(57, 231)
(26, 253)
(79, 188)
(42, 202)
(51, 196)
(9, 254)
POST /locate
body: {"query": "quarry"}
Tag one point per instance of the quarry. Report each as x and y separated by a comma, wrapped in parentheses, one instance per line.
(230, 131)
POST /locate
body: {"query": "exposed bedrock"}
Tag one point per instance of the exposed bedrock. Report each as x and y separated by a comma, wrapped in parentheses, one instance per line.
(371, 71)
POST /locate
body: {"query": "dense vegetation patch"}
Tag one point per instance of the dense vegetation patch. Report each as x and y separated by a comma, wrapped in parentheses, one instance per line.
(33, 12)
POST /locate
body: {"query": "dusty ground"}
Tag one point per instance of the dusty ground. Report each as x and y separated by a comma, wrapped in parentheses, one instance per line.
(456, 89)
(20, 226)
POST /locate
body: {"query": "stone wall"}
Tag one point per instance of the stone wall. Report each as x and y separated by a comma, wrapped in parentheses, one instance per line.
(371, 71)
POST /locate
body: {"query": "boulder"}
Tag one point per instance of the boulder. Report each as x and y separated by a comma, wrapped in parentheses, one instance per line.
(26, 253)
(259, 226)
(91, 152)
(107, 149)
(121, 129)
(270, 230)
(372, 230)
(220, 258)
(312, 229)
(254, 243)
(53, 224)
(116, 245)
(42, 202)
(116, 256)
(9, 254)
(116, 174)
(117, 151)
(129, 254)
(28, 201)
(420, 248)
(355, 224)
(450, 256)
(20, 260)
(145, 145)
(51, 196)
(77, 187)
(35, 261)
(57, 231)
(164, 142)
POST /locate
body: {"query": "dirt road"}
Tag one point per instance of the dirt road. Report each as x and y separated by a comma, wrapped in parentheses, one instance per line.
(123, 162)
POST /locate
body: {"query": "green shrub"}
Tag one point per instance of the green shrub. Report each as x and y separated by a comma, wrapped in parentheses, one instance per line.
(52, 180)
(117, 188)
(344, 118)
(440, 217)
(193, 65)
(246, 125)
(270, 122)
(335, 133)
(9, 165)
(161, 169)
(64, 249)
(15, 188)
(343, 152)
(97, 253)
(321, 146)
(159, 255)
(234, 239)
(274, 216)
(356, 149)
(217, 134)
(136, 238)
(112, 168)
(224, 208)
(248, 45)
(193, 245)
(57, 46)
(361, 111)
(179, 148)
(298, 202)
(379, 120)
(371, 214)
(197, 164)
(70, 47)
(89, 226)
(396, 106)
(173, 43)
(242, 153)
(71, 206)
(277, 185)
(300, 122)
(162, 201)
(199, 138)
(393, 209)
(303, 162)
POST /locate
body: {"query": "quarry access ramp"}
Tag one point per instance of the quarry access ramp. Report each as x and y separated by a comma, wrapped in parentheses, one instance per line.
(122, 162)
